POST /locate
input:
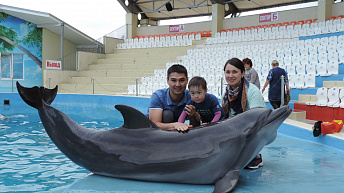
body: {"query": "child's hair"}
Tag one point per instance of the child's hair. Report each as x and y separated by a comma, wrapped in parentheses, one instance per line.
(178, 69)
(197, 81)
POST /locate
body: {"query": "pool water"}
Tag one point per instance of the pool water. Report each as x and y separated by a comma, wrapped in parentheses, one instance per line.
(30, 162)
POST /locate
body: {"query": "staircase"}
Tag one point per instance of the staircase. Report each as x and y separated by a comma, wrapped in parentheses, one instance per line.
(113, 74)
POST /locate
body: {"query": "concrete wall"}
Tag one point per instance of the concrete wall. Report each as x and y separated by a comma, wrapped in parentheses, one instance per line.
(192, 27)
(110, 44)
(51, 51)
(87, 58)
(283, 16)
(253, 20)
(51, 46)
(337, 9)
(60, 76)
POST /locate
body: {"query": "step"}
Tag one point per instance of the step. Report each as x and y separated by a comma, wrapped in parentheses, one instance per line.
(297, 115)
(144, 58)
(303, 98)
(110, 89)
(149, 52)
(136, 67)
(331, 84)
(116, 73)
(139, 61)
(103, 80)
(178, 50)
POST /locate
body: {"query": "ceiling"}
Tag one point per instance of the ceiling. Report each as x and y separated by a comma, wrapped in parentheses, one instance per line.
(156, 9)
(50, 22)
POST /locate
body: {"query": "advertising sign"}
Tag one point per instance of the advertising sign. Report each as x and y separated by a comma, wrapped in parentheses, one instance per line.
(176, 28)
(266, 17)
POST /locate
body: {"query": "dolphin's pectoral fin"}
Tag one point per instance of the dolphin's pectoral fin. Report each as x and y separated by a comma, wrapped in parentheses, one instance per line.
(228, 182)
(34, 96)
(134, 119)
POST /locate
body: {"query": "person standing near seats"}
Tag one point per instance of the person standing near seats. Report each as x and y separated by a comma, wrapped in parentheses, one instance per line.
(240, 96)
(207, 105)
(274, 80)
(167, 104)
(251, 74)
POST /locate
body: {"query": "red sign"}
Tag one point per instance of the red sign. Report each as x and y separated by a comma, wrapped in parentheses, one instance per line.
(176, 28)
(266, 17)
(53, 65)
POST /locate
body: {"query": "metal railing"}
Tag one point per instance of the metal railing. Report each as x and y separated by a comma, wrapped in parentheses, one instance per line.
(119, 33)
(70, 61)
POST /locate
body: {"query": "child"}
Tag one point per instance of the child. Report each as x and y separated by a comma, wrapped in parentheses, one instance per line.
(207, 105)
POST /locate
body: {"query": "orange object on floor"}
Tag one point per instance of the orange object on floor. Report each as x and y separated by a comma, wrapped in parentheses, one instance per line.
(331, 127)
(327, 128)
(338, 125)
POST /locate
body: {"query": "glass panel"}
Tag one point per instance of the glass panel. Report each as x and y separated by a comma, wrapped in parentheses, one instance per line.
(5, 66)
(18, 66)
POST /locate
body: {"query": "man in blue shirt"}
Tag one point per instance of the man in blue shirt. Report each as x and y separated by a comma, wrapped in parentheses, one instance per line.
(167, 104)
(274, 79)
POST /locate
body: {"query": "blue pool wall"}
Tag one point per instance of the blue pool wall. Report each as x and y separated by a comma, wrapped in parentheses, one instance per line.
(74, 104)
(102, 107)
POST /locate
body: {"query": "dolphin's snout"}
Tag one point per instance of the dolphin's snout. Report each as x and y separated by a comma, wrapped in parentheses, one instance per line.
(279, 113)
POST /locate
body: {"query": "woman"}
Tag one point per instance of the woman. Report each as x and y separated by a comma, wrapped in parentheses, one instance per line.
(251, 74)
(240, 96)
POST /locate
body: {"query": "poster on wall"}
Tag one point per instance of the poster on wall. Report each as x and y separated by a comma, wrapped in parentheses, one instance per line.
(176, 28)
(20, 52)
(267, 17)
(53, 65)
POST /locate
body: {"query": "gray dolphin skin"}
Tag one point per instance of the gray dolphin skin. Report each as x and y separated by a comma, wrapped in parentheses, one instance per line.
(139, 150)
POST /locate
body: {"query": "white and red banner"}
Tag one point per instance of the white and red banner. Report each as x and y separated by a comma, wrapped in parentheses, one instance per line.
(176, 28)
(266, 17)
(53, 65)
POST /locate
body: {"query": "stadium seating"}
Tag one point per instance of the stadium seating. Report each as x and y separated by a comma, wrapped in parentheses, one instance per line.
(322, 97)
(302, 57)
(333, 97)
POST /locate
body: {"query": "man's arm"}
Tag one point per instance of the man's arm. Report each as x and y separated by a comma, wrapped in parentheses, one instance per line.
(287, 85)
(155, 115)
(265, 85)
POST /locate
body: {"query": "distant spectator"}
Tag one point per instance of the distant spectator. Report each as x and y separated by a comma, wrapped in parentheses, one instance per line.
(274, 79)
(251, 74)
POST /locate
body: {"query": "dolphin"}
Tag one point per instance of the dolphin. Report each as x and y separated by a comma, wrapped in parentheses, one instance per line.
(139, 150)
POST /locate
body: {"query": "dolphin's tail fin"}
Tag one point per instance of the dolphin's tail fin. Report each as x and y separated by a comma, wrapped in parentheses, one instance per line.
(34, 96)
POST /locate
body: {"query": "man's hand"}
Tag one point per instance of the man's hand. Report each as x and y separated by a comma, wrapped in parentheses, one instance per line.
(181, 127)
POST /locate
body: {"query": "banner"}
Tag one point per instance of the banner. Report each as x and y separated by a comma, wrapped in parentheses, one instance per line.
(176, 28)
(53, 65)
(266, 17)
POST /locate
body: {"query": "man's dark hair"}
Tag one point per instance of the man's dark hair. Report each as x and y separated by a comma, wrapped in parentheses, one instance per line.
(197, 81)
(178, 69)
(236, 63)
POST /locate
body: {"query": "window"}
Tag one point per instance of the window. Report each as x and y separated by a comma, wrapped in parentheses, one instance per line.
(12, 65)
